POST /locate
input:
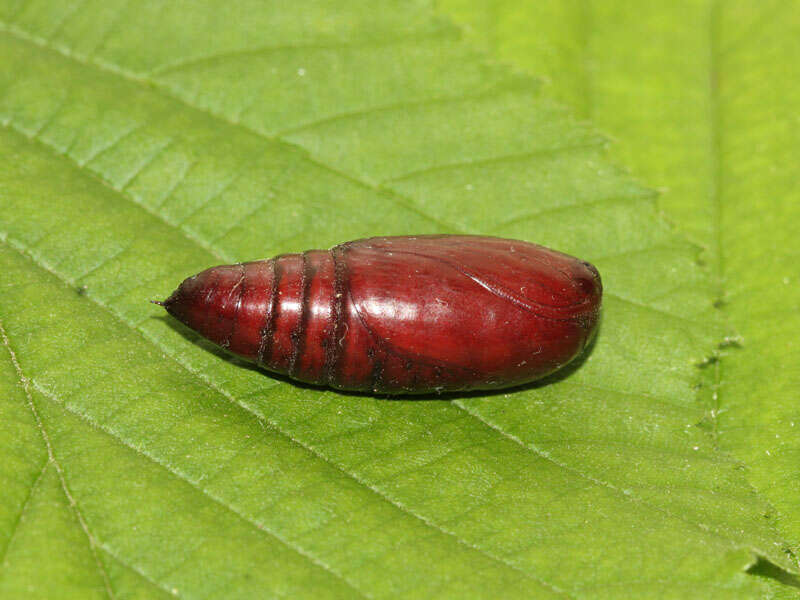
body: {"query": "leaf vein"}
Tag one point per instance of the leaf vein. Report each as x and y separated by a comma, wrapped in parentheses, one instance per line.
(543, 153)
(86, 170)
(626, 494)
(52, 459)
(252, 52)
(23, 510)
(403, 105)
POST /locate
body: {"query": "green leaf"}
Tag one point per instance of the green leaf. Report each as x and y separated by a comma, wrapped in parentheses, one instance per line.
(702, 98)
(144, 142)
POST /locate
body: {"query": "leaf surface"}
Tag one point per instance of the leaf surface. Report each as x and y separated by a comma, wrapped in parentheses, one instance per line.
(142, 143)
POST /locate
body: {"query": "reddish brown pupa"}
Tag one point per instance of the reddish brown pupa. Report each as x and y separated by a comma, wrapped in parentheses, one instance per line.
(401, 314)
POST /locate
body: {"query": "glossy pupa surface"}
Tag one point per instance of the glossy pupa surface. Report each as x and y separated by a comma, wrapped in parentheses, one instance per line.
(401, 315)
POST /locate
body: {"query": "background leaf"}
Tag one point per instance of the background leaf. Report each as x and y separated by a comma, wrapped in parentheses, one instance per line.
(702, 97)
(142, 143)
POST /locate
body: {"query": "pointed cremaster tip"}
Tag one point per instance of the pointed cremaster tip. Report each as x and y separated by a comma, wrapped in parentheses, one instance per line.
(159, 302)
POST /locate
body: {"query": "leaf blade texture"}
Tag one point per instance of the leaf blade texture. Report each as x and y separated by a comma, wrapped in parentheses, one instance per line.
(144, 144)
